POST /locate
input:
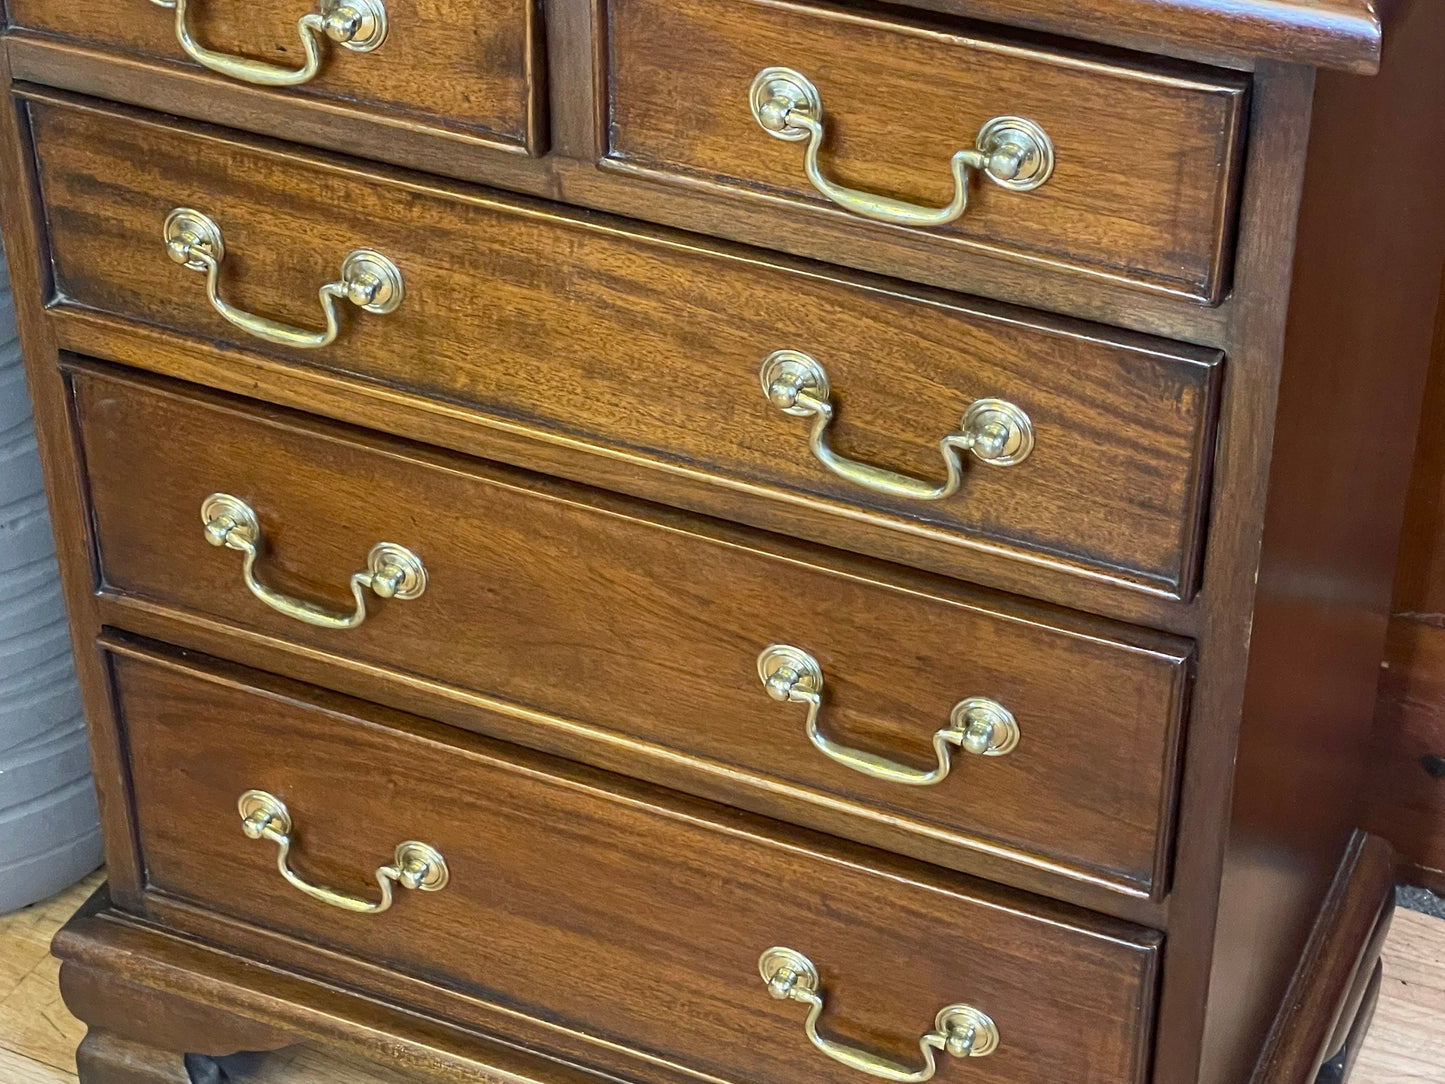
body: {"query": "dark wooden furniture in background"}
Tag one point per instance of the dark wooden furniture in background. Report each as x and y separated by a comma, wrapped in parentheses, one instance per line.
(655, 666)
(1407, 787)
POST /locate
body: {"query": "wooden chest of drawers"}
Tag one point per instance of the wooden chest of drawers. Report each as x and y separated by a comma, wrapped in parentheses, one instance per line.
(729, 541)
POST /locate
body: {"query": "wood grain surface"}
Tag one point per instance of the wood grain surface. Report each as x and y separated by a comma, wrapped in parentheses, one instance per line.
(600, 907)
(651, 348)
(1321, 365)
(472, 70)
(600, 622)
(899, 98)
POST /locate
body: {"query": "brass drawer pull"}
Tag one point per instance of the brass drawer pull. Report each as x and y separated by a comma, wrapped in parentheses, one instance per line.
(1012, 152)
(977, 725)
(368, 280)
(960, 1031)
(996, 432)
(415, 865)
(391, 571)
(358, 25)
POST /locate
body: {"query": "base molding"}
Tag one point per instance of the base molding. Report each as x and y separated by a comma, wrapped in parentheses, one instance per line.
(1331, 999)
(199, 1000)
(150, 997)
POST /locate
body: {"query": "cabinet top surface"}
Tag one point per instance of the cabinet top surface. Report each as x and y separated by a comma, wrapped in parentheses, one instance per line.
(1341, 34)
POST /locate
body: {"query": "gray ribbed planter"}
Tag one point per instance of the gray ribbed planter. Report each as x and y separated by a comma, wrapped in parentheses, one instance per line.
(49, 829)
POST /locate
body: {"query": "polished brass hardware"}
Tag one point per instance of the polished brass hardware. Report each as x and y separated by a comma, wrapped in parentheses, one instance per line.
(1012, 152)
(414, 865)
(977, 725)
(392, 571)
(368, 280)
(996, 432)
(960, 1031)
(358, 25)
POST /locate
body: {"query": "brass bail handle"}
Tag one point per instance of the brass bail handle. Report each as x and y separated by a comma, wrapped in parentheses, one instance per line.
(368, 280)
(414, 865)
(358, 25)
(977, 725)
(1012, 152)
(960, 1031)
(994, 431)
(391, 571)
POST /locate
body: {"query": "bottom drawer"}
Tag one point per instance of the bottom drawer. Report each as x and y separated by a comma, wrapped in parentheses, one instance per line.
(623, 924)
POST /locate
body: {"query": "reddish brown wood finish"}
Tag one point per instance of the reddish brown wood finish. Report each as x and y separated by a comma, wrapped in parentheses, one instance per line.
(899, 98)
(470, 73)
(605, 907)
(1265, 805)
(648, 348)
(592, 620)
(575, 33)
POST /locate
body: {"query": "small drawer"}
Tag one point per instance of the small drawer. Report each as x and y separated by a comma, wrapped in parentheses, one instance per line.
(1119, 167)
(571, 334)
(975, 731)
(468, 71)
(600, 919)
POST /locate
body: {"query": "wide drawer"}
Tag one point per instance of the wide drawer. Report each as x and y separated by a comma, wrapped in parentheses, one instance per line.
(470, 72)
(649, 351)
(1128, 171)
(627, 635)
(596, 912)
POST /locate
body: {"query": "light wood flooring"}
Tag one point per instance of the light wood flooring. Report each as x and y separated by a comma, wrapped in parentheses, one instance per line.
(38, 1037)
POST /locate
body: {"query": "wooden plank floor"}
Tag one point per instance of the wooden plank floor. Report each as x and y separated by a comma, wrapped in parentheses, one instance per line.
(38, 1037)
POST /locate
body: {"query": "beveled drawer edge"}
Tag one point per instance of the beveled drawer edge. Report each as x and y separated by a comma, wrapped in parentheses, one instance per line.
(89, 332)
(1056, 49)
(1065, 621)
(1211, 295)
(1231, 84)
(1142, 944)
(1173, 656)
(1201, 338)
(953, 548)
(603, 785)
(250, 947)
(1194, 333)
(555, 735)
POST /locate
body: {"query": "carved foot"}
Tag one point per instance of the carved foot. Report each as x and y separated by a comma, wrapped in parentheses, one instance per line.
(1337, 1069)
(104, 1058)
(139, 1035)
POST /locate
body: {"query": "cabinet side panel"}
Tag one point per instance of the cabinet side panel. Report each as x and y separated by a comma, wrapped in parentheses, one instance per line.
(1368, 259)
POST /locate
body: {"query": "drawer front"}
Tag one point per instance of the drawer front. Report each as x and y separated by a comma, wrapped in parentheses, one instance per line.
(1145, 159)
(471, 69)
(649, 350)
(603, 623)
(614, 913)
